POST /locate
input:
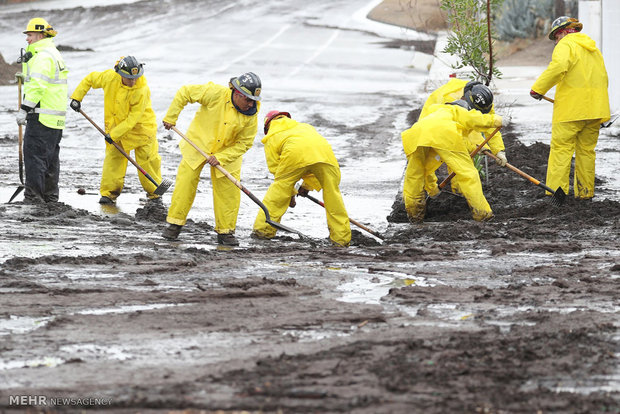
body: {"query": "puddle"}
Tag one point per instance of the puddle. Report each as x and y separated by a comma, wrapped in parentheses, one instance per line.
(21, 324)
(371, 287)
(48, 362)
(125, 309)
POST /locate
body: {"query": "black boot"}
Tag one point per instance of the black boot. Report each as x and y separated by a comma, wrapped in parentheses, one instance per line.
(172, 231)
(227, 239)
(106, 200)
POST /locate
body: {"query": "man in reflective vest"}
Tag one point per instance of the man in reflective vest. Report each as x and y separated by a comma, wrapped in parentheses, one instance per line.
(43, 110)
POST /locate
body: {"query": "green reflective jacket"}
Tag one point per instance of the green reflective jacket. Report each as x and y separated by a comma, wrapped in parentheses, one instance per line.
(45, 83)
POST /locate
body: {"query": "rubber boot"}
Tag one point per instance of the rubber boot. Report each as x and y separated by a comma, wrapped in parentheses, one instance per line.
(227, 239)
(172, 231)
(106, 200)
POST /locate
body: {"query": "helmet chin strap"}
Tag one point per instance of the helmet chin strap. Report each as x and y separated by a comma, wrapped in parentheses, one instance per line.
(249, 112)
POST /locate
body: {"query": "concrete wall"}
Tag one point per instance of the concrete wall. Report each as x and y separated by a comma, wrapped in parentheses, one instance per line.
(601, 21)
(610, 22)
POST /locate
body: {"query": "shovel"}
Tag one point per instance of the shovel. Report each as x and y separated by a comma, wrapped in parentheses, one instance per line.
(559, 195)
(241, 187)
(20, 140)
(607, 124)
(161, 188)
(358, 224)
(546, 98)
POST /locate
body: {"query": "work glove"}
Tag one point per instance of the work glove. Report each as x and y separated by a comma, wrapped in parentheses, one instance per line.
(21, 117)
(535, 95)
(20, 77)
(76, 105)
(108, 138)
(302, 191)
(292, 203)
(506, 120)
(501, 159)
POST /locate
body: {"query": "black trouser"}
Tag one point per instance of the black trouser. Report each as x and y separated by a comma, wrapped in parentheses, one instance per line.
(41, 161)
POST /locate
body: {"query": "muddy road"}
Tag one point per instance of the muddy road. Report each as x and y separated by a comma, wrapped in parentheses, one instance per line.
(517, 315)
(97, 311)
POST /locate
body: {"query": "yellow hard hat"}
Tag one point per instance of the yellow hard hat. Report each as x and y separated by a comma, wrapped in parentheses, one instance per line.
(39, 24)
(564, 22)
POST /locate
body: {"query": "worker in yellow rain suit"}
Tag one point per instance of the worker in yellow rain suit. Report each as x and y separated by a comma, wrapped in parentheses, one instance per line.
(581, 105)
(451, 91)
(129, 121)
(224, 127)
(442, 133)
(295, 150)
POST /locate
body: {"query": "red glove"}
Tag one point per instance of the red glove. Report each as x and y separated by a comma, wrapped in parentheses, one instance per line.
(535, 95)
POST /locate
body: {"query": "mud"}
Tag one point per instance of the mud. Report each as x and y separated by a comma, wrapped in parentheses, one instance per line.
(518, 315)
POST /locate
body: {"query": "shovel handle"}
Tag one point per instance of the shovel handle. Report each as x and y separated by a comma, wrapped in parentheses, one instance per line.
(224, 171)
(473, 154)
(358, 224)
(20, 136)
(121, 150)
(548, 99)
(522, 174)
(219, 167)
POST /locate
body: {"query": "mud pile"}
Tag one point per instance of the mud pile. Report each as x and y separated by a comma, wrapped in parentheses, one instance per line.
(521, 208)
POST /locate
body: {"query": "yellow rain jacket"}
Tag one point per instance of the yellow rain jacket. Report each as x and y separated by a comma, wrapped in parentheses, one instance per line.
(452, 91)
(219, 129)
(578, 70)
(128, 114)
(290, 145)
(130, 121)
(445, 126)
(295, 150)
(45, 83)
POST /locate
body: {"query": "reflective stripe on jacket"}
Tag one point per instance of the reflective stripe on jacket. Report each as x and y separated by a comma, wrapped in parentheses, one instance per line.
(217, 128)
(578, 70)
(45, 83)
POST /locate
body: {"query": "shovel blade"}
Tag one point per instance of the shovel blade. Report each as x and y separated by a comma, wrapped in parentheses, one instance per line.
(283, 227)
(163, 187)
(19, 190)
(559, 196)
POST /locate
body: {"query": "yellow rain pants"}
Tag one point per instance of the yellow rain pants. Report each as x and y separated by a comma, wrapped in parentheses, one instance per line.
(568, 138)
(461, 163)
(115, 168)
(226, 196)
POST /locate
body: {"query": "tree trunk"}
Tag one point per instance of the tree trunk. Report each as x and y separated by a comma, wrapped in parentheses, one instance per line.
(560, 9)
